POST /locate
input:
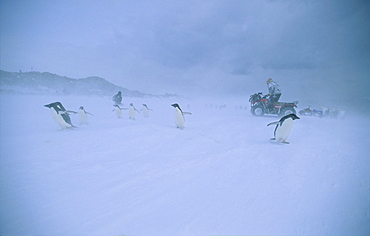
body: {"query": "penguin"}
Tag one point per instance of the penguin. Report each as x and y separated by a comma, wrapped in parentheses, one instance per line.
(82, 115)
(283, 128)
(131, 112)
(60, 115)
(146, 110)
(179, 116)
(118, 111)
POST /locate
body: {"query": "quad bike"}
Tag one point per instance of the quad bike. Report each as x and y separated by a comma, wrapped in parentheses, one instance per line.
(260, 106)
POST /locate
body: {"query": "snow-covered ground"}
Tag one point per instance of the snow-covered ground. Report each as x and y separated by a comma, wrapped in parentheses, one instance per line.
(219, 176)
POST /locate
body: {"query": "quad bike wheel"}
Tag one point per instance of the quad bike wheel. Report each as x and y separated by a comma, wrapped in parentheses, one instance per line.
(258, 110)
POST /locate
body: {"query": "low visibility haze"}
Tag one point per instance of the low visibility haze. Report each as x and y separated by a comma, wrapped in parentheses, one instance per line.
(312, 48)
(137, 174)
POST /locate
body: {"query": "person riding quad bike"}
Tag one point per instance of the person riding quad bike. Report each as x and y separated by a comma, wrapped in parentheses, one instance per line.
(274, 93)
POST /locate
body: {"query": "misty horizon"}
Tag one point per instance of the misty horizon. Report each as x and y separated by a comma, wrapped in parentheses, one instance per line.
(219, 47)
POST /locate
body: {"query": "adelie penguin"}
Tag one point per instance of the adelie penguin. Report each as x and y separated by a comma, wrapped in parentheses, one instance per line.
(146, 110)
(82, 115)
(118, 111)
(283, 128)
(132, 111)
(179, 116)
(60, 115)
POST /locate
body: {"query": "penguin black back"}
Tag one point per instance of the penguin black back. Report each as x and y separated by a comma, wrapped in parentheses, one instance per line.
(292, 116)
(57, 106)
(175, 105)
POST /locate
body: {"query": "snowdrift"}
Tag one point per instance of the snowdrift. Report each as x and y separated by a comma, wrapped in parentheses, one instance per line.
(219, 176)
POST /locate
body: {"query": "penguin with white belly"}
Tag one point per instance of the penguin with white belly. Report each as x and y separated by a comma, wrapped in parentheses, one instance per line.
(179, 116)
(82, 115)
(60, 115)
(146, 110)
(118, 111)
(132, 112)
(283, 128)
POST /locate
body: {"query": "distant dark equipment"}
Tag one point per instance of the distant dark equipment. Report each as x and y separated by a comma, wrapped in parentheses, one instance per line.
(117, 99)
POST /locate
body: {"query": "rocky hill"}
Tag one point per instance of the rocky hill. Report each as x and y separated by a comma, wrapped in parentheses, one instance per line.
(48, 83)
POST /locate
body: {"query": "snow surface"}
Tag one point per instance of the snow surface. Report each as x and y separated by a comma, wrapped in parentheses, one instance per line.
(221, 175)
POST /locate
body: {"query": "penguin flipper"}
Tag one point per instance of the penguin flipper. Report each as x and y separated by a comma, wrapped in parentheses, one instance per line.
(273, 123)
(89, 113)
(186, 113)
(73, 112)
(67, 119)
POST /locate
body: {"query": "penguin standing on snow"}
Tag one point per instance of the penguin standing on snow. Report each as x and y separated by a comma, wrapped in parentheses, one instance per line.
(118, 111)
(146, 110)
(82, 115)
(132, 111)
(60, 115)
(179, 116)
(283, 128)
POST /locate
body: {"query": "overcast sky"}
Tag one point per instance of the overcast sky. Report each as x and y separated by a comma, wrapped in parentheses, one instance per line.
(179, 46)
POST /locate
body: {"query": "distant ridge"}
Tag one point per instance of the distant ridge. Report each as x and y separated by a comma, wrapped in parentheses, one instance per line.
(47, 83)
